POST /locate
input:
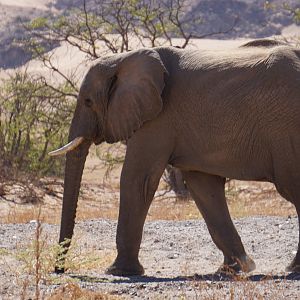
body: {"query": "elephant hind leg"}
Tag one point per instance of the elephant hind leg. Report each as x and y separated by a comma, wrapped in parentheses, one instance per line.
(294, 198)
(287, 182)
(292, 194)
(294, 266)
(209, 195)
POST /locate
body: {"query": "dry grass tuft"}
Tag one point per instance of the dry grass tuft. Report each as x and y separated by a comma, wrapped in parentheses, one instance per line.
(85, 260)
(256, 199)
(27, 214)
(72, 291)
(173, 209)
(36, 263)
(239, 287)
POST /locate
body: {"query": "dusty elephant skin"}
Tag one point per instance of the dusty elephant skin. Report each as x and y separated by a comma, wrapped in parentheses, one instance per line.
(212, 114)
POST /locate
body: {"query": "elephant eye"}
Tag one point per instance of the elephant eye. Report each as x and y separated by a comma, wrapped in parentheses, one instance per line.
(88, 102)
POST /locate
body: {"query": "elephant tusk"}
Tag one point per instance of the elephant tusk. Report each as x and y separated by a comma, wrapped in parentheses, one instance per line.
(67, 148)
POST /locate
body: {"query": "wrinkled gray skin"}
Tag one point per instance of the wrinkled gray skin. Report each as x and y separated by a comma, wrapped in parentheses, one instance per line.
(212, 114)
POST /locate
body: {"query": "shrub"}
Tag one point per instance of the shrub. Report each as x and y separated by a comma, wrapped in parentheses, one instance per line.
(33, 119)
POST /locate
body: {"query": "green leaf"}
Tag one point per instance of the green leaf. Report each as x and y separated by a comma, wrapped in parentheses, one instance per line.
(38, 23)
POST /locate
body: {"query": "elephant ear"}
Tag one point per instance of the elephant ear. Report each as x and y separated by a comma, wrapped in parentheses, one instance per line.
(135, 94)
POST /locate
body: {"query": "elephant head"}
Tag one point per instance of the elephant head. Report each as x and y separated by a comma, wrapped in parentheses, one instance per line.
(117, 96)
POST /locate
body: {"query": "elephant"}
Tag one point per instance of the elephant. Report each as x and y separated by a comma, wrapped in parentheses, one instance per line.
(174, 178)
(213, 114)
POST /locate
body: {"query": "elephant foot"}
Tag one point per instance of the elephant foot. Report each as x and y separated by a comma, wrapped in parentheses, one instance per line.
(121, 269)
(237, 265)
(294, 266)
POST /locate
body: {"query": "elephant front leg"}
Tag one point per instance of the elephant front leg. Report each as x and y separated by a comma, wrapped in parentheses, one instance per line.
(208, 193)
(138, 185)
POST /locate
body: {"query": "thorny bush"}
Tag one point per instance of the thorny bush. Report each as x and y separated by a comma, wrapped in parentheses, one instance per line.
(33, 119)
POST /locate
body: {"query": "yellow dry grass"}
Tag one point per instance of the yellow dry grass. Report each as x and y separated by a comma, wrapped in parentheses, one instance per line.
(72, 291)
(99, 196)
(244, 199)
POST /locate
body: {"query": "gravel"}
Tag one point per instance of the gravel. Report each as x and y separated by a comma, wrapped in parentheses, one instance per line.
(179, 259)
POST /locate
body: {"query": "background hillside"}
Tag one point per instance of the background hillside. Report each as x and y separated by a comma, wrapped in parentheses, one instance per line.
(253, 19)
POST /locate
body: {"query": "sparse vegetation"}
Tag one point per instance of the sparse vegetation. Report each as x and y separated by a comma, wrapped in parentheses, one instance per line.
(36, 262)
(72, 291)
(34, 118)
(294, 11)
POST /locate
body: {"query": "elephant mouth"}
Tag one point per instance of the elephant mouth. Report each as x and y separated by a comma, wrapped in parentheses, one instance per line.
(68, 147)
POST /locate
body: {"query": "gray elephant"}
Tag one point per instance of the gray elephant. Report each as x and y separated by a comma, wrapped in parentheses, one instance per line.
(212, 114)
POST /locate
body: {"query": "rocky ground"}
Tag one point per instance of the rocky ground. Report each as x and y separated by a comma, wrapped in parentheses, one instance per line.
(178, 254)
(179, 258)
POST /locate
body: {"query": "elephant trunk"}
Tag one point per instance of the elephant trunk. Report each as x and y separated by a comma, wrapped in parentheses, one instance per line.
(73, 174)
